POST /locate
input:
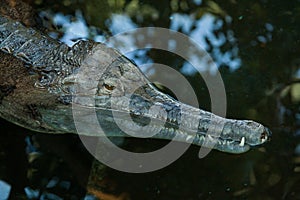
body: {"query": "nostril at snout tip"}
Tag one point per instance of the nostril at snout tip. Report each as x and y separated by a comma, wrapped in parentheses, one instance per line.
(266, 135)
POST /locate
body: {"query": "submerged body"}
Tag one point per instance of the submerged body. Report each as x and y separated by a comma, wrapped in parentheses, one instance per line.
(41, 94)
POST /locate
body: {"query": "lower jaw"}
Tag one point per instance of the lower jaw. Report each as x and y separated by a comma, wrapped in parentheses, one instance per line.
(173, 133)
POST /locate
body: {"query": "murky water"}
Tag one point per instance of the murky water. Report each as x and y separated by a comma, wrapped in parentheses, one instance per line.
(255, 46)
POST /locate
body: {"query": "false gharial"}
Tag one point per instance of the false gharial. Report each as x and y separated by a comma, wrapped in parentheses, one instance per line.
(39, 95)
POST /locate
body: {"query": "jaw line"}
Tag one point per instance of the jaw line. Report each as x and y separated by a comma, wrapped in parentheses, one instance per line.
(187, 132)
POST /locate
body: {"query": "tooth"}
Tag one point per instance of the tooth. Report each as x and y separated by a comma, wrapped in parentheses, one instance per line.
(209, 137)
(189, 138)
(264, 139)
(242, 143)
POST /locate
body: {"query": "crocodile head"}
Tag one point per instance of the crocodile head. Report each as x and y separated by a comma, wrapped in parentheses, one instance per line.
(127, 104)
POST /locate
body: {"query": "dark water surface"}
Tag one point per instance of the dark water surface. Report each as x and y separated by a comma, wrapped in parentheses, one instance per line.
(256, 47)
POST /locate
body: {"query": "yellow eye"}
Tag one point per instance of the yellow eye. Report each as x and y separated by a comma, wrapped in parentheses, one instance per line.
(109, 87)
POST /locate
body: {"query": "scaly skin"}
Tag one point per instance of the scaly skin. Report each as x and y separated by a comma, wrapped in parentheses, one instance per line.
(93, 76)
